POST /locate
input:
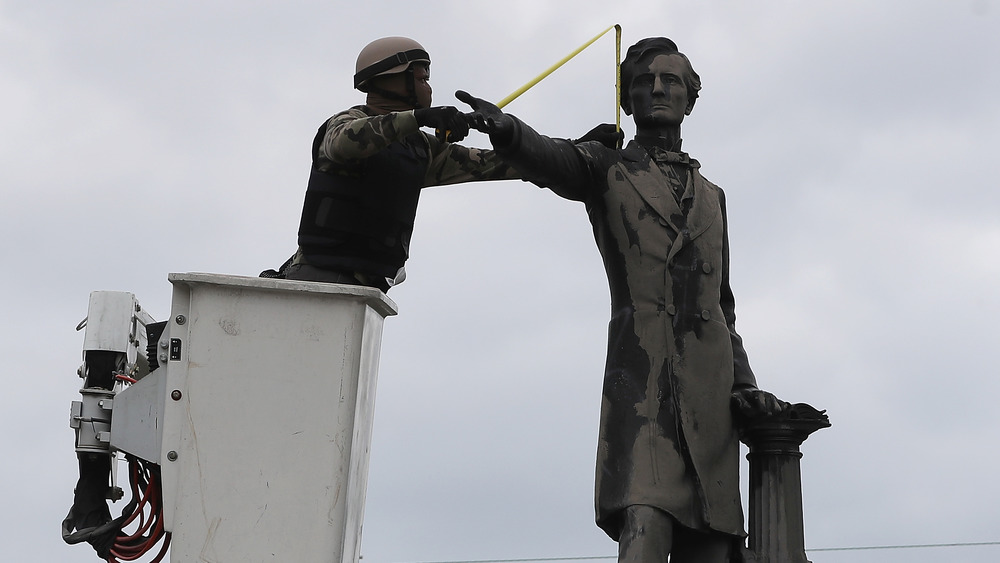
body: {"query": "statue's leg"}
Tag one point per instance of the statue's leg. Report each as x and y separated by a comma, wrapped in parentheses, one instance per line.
(693, 546)
(647, 535)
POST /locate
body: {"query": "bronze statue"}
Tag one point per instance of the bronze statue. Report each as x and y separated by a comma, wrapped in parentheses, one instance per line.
(667, 462)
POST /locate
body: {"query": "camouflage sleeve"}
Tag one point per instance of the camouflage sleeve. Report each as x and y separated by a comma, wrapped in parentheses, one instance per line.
(452, 164)
(354, 135)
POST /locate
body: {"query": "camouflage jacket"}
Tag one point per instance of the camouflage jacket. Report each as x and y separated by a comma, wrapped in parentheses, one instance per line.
(368, 171)
(355, 134)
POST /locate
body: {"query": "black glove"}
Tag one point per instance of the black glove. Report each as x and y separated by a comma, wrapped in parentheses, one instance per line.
(487, 118)
(449, 124)
(607, 133)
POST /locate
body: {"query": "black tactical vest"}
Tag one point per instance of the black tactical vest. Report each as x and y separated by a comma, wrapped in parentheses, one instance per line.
(359, 218)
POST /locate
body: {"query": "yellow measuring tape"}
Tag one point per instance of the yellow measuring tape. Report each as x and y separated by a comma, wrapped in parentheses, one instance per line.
(618, 74)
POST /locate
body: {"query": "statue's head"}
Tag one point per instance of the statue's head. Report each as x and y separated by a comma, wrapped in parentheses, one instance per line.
(638, 59)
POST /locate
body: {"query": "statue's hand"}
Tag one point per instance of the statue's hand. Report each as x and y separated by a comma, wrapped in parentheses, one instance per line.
(754, 403)
(487, 118)
(608, 134)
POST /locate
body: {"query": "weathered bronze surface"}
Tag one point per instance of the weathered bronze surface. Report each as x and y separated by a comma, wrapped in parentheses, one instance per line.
(776, 517)
(675, 364)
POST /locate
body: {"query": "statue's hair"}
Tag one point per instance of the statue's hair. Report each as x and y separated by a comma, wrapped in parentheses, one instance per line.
(649, 47)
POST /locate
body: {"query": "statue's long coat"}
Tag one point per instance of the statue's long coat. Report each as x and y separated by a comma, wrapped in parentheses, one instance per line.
(667, 437)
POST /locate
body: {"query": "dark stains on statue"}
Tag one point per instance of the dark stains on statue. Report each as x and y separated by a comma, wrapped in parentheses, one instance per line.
(667, 417)
(686, 287)
(630, 231)
(622, 387)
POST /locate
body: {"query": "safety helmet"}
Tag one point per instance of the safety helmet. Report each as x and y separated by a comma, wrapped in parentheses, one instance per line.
(388, 55)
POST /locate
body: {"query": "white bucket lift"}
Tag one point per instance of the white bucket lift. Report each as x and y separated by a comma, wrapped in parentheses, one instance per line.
(260, 417)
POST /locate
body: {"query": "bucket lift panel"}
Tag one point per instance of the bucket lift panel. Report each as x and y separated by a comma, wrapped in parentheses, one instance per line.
(270, 394)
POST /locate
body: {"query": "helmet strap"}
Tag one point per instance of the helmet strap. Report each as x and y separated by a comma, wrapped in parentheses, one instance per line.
(385, 101)
(390, 100)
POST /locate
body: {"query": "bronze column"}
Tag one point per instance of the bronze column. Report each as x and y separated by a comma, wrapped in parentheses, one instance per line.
(775, 520)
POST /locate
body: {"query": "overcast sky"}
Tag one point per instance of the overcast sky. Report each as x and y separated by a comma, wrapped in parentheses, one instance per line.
(857, 143)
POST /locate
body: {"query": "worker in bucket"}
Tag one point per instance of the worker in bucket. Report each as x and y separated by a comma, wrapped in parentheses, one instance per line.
(369, 164)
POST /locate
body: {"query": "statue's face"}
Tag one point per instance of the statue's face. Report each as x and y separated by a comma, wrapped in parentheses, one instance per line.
(659, 95)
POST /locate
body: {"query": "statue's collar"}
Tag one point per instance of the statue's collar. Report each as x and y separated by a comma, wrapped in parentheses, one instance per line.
(637, 150)
(671, 145)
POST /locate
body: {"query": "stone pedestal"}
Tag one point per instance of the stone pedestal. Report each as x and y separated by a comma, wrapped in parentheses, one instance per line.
(775, 519)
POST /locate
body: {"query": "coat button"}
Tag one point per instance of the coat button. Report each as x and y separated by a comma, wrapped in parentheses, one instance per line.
(663, 222)
(706, 267)
(705, 315)
(671, 309)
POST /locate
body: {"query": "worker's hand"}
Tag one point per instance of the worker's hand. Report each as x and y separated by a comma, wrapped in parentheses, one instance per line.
(754, 403)
(607, 133)
(487, 118)
(449, 124)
